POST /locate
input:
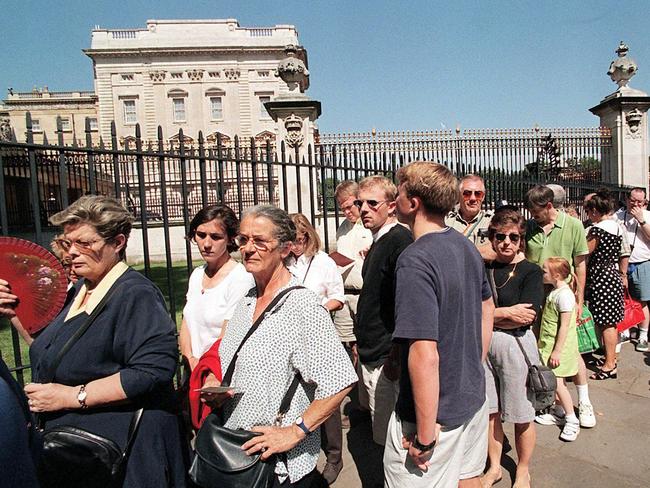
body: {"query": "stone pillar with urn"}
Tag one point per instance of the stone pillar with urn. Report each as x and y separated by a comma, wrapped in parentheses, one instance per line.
(625, 113)
(295, 115)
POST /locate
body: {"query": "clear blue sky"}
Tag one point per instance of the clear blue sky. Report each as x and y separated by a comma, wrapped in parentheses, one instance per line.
(390, 65)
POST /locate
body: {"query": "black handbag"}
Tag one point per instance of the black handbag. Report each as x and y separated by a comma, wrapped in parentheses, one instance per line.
(219, 461)
(74, 457)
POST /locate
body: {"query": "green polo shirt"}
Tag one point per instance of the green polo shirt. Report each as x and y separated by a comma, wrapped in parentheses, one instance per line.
(566, 239)
(475, 230)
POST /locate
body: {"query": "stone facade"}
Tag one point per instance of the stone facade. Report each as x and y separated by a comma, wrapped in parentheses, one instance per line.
(198, 75)
(45, 106)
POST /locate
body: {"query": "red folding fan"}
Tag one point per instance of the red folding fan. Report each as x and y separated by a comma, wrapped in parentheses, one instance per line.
(36, 277)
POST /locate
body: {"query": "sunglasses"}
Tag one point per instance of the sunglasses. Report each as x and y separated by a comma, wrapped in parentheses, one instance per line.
(467, 194)
(259, 244)
(514, 238)
(373, 204)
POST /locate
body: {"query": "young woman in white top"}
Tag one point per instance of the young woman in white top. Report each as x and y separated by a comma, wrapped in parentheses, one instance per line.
(313, 268)
(215, 288)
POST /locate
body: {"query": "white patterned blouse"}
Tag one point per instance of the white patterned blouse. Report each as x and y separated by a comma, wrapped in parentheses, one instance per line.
(297, 335)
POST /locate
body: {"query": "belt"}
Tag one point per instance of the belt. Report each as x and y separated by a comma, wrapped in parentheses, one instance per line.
(352, 291)
(518, 330)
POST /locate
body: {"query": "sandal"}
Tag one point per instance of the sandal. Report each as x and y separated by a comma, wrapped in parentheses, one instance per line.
(602, 374)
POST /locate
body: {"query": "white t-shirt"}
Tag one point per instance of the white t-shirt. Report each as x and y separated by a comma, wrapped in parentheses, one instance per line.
(206, 310)
(351, 239)
(635, 236)
(322, 276)
(564, 299)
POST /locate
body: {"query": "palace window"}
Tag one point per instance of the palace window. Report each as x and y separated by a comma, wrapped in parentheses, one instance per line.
(36, 125)
(127, 77)
(179, 109)
(65, 124)
(216, 108)
(263, 99)
(177, 75)
(94, 126)
(128, 107)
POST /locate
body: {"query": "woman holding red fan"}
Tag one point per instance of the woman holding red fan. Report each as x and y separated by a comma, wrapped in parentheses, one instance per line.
(105, 364)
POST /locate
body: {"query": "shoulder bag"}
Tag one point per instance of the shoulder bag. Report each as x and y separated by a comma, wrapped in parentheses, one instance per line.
(74, 457)
(220, 461)
(541, 382)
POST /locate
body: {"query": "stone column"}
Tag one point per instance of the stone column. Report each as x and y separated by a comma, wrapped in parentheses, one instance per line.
(295, 115)
(625, 113)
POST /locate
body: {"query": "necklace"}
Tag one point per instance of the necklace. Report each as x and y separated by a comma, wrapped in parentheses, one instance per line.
(510, 276)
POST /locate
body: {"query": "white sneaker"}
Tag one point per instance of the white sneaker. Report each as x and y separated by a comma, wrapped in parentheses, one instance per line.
(550, 418)
(570, 431)
(586, 415)
(642, 346)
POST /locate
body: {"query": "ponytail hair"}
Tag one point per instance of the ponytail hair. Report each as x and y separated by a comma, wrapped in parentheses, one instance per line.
(558, 266)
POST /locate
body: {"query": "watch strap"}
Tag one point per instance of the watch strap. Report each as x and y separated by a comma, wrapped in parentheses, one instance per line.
(302, 426)
(81, 396)
(423, 447)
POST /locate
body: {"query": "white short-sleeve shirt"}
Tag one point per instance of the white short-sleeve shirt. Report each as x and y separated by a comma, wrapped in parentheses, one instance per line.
(206, 310)
(321, 275)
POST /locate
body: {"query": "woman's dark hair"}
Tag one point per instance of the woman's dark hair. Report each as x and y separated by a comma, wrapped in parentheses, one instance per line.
(602, 201)
(223, 213)
(505, 217)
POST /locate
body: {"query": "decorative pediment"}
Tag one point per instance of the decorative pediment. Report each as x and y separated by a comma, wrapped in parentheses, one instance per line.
(177, 93)
(212, 138)
(262, 137)
(186, 139)
(214, 92)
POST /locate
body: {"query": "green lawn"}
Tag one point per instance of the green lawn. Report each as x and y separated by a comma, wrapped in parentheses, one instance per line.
(158, 275)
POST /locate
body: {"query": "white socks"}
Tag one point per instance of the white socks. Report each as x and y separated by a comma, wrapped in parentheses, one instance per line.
(643, 334)
(583, 393)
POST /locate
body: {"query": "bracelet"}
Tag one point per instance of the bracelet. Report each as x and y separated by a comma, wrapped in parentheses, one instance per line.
(642, 223)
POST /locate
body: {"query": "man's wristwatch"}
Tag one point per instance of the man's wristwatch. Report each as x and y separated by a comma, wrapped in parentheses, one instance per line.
(642, 223)
(423, 447)
(81, 396)
(301, 424)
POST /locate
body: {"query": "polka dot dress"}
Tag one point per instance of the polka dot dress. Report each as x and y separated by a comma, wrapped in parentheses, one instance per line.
(604, 288)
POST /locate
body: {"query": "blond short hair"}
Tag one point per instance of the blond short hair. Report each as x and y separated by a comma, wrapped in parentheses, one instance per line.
(377, 181)
(105, 214)
(432, 183)
(349, 188)
(312, 246)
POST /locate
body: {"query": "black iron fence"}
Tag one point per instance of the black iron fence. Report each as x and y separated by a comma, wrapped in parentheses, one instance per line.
(165, 185)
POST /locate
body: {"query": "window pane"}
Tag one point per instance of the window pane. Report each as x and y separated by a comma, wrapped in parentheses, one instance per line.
(36, 125)
(129, 111)
(263, 113)
(93, 124)
(65, 124)
(179, 109)
(216, 108)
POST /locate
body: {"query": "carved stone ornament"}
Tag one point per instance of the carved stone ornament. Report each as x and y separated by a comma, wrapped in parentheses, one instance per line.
(623, 68)
(633, 119)
(231, 73)
(293, 125)
(5, 129)
(195, 74)
(293, 71)
(157, 76)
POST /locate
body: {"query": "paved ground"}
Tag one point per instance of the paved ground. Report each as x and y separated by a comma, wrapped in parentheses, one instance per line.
(614, 454)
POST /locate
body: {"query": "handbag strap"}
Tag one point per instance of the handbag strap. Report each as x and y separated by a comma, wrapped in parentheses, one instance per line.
(231, 367)
(133, 430)
(77, 335)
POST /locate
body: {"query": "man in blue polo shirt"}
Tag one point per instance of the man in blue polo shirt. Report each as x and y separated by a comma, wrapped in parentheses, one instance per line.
(438, 435)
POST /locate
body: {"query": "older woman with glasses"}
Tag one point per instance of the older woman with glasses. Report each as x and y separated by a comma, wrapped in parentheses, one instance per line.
(518, 292)
(295, 337)
(124, 362)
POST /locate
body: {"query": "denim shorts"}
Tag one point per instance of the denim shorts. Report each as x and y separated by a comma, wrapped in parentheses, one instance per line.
(639, 280)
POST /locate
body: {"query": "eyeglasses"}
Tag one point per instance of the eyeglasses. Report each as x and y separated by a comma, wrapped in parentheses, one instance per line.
(478, 194)
(347, 208)
(81, 245)
(300, 240)
(514, 238)
(372, 204)
(214, 236)
(259, 244)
